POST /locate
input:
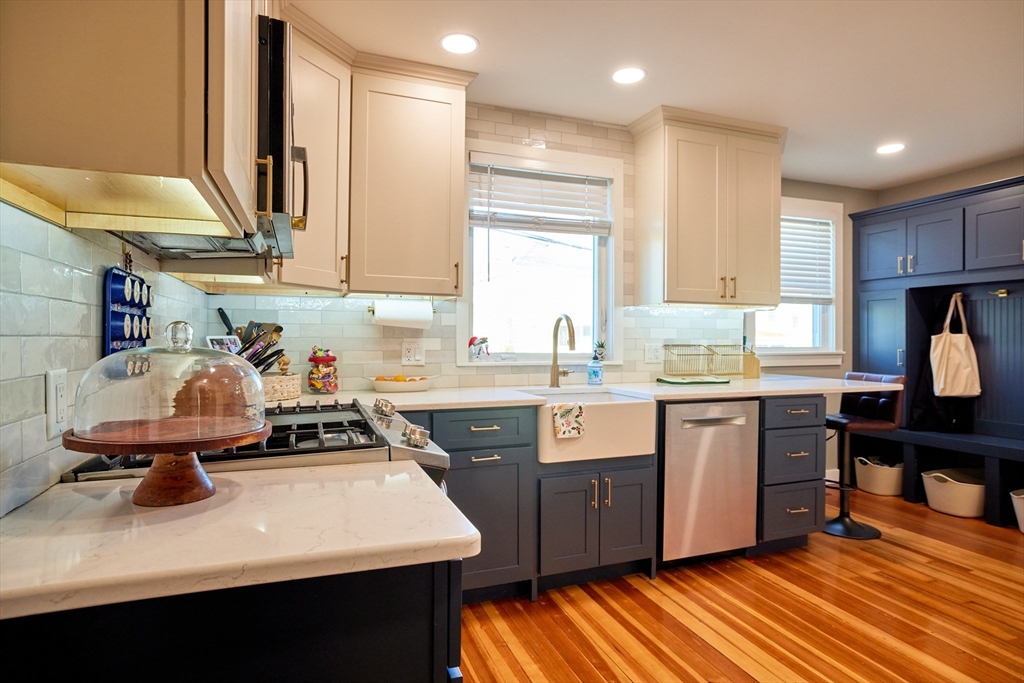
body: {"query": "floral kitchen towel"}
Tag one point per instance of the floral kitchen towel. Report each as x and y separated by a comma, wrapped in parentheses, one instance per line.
(569, 420)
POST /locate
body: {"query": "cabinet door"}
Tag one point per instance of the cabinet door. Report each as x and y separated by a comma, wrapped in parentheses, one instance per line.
(883, 250)
(321, 101)
(231, 104)
(995, 233)
(628, 514)
(755, 192)
(883, 324)
(935, 242)
(696, 210)
(408, 187)
(569, 521)
(496, 490)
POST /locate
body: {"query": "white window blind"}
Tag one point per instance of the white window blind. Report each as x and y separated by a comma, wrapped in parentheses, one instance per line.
(523, 199)
(807, 261)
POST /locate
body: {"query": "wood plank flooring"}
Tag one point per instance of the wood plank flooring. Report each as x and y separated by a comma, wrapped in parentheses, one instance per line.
(936, 599)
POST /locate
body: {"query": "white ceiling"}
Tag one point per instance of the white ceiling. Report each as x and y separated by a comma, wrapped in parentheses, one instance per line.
(945, 78)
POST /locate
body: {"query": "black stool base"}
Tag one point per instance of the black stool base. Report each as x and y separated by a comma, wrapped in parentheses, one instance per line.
(845, 527)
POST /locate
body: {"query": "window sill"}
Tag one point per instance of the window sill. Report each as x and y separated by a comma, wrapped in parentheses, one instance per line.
(529, 363)
(783, 359)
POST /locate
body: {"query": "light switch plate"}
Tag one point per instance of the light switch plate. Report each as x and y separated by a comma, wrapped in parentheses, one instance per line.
(413, 354)
(653, 353)
(56, 402)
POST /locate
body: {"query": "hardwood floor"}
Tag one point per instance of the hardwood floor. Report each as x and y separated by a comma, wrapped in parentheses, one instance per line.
(936, 599)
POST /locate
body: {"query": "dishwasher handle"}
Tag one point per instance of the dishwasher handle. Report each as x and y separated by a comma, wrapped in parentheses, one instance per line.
(717, 420)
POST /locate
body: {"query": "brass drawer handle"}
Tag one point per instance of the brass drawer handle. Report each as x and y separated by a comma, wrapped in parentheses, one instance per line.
(797, 511)
(797, 412)
(608, 483)
(492, 428)
(593, 503)
(476, 459)
(801, 454)
(269, 209)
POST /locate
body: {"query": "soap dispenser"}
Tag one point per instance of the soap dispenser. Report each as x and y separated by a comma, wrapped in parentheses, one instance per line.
(595, 372)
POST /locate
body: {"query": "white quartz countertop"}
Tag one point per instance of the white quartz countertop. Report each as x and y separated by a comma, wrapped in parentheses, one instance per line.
(85, 544)
(491, 397)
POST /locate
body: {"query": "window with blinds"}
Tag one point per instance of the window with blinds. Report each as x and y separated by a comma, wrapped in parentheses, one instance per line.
(539, 201)
(808, 261)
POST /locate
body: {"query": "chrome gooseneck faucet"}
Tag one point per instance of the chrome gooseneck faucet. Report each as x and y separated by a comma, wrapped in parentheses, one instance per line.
(555, 372)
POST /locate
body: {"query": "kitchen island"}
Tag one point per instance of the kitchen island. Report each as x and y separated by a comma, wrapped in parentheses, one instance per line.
(347, 571)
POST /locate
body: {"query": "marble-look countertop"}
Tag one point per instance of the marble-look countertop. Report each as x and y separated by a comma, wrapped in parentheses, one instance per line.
(491, 397)
(85, 544)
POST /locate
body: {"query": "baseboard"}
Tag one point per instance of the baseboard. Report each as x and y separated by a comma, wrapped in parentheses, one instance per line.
(832, 475)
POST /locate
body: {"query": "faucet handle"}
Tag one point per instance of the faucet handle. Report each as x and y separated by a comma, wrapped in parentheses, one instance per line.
(564, 373)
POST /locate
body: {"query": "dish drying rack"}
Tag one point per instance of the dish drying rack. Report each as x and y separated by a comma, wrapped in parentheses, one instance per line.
(710, 360)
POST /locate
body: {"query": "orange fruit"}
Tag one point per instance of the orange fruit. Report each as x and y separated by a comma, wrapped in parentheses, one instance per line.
(411, 379)
(399, 378)
(380, 378)
(422, 378)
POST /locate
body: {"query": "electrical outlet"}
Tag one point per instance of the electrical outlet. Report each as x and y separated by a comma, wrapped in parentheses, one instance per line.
(56, 402)
(412, 354)
(653, 353)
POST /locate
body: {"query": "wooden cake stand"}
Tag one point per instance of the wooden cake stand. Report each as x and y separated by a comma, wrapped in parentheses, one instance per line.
(175, 477)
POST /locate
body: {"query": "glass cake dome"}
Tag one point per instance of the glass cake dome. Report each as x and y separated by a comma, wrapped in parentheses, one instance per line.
(173, 394)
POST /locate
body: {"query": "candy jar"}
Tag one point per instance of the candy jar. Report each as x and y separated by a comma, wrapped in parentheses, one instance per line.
(323, 375)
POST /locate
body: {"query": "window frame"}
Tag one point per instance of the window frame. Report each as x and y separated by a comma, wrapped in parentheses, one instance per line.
(830, 352)
(609, 256)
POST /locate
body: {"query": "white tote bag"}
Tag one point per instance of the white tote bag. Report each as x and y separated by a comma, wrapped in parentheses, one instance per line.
(954, 365)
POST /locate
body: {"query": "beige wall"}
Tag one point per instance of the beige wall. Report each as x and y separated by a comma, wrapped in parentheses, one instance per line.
(979, 175)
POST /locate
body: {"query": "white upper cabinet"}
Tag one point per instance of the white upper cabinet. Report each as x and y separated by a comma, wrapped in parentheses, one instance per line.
(708, 194)
(105, 115)
(408, 214)
(321, 99)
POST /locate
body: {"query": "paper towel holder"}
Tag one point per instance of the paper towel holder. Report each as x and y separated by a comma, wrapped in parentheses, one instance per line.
(433, 309)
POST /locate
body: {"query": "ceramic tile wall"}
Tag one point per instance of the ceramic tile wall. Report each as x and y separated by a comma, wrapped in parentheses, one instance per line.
(367, 350)
(51, 284)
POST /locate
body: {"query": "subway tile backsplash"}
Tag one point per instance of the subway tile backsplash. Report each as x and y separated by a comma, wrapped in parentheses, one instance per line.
(51, 296)
(51, 292)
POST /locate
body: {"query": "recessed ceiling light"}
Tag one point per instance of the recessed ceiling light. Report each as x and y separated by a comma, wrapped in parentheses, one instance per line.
(459, 43)
(891, 148)
(629, 75)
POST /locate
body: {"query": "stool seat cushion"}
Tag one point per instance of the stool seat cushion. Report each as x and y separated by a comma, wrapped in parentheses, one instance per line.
(856, 423)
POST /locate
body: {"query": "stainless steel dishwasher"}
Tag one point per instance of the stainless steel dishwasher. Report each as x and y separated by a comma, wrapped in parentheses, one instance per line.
(710, 478)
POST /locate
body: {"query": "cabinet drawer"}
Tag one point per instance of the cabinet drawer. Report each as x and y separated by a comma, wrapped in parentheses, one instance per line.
(492, 456)
(799, 411)
(789, 510)
(472, 429)
(792, 455)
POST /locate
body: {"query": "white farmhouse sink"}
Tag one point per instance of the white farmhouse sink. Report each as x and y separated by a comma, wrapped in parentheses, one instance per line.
(615, 426)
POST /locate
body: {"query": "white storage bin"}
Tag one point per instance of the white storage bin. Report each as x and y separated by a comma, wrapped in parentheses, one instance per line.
(879, 479)
(958, 492)
(1018, 507)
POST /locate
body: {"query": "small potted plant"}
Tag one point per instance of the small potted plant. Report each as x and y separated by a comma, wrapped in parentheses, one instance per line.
(599, 349)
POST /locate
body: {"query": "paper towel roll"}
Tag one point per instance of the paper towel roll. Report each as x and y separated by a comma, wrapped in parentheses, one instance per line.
(415, 313)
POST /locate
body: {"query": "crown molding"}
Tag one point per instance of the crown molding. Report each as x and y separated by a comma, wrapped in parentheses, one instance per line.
(661, 115)
(366, 62)
(287, 11)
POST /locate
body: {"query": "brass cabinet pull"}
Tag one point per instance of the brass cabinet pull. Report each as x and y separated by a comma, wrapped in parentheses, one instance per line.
(723, 285)
(492, 428)
(344, 260)
(801, 454)
(457, 276)
(899, 265)
(299, 155)
(493, 457)
(802, 411)
(593, 503)
(608, 483)
(733, 287)
(910, 263)
(269, 163)
(797, 511)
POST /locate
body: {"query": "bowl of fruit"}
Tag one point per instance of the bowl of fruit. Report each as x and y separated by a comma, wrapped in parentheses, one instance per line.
(400, 383)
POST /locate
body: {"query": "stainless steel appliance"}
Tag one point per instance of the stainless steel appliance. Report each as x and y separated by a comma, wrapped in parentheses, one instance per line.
(303, 436)
(710, 500)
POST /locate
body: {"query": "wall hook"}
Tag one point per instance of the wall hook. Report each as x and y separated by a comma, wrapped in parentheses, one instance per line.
(1001, 293)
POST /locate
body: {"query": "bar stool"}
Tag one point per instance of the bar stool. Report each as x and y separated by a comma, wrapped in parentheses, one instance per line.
(867, 412)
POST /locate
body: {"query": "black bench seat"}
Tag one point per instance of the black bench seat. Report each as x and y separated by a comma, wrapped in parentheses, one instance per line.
(1004, 465)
